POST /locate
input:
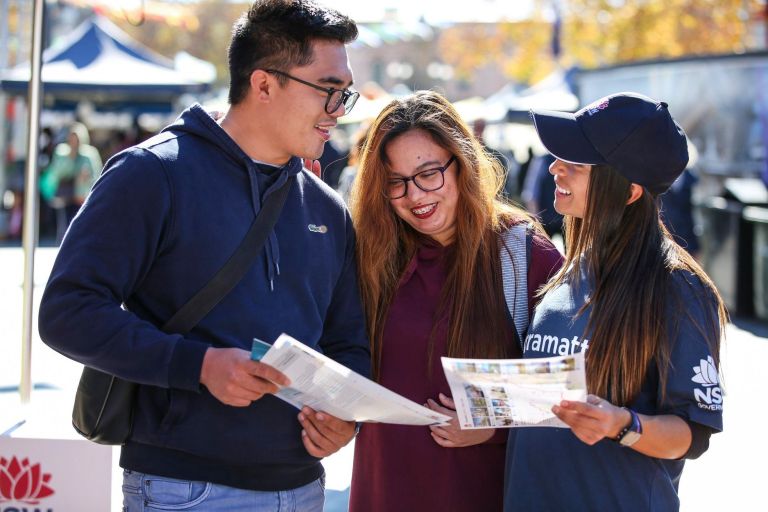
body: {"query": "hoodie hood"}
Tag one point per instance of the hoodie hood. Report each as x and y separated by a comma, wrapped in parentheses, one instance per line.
(197, 121)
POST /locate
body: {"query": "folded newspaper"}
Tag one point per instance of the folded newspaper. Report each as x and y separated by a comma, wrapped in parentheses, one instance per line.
(514, 392)
(325, 385)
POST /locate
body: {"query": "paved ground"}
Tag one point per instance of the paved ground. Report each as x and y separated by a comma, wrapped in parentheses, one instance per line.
(730, 476)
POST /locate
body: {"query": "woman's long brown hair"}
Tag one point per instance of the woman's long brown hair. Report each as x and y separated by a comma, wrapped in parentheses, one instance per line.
(472, 297)
(631, 259)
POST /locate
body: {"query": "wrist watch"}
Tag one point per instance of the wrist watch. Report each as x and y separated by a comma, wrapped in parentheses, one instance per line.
(630, 434)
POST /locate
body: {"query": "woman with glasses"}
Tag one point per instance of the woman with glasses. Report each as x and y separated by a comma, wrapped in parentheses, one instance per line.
(437, 254)
(647, 316)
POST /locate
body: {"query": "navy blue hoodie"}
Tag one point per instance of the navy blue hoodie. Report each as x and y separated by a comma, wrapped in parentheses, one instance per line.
(158, 224)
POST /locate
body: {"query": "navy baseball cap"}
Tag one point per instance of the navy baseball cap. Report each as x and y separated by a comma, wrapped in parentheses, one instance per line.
(632, 133)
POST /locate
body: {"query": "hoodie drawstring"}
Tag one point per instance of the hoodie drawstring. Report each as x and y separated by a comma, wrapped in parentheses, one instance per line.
(273, 260)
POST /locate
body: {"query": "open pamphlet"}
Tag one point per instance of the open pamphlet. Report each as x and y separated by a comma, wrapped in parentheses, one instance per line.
(514, 392)
(325, 385)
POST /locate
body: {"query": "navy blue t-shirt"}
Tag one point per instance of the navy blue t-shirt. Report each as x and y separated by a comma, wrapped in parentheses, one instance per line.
(550, 469)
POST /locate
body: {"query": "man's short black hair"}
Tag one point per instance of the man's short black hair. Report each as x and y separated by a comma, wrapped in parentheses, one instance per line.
(279, 34)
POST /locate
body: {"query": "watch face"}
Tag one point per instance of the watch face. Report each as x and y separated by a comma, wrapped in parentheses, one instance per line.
(630, 438)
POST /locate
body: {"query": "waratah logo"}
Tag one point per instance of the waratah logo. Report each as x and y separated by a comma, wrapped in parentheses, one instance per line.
(20, 481)
(706, 373)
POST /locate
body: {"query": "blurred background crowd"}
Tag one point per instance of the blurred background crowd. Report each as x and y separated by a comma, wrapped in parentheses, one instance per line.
(116, 72)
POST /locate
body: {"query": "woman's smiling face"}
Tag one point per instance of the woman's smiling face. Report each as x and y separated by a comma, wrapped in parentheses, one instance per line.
(571, 187)
(431, 213)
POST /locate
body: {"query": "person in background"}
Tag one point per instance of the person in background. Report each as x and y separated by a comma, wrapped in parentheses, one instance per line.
(47, 145)
(522, 173)
(677, 207)
(438, 252)
(478, 130)
(165, 216)
(347, 177)
(648, 318)
(539, 193)
(74, 167)
(332, 163)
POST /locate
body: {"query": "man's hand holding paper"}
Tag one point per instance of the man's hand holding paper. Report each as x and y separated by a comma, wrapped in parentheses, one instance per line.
(235, 379)
(323, 434)
(321, 384)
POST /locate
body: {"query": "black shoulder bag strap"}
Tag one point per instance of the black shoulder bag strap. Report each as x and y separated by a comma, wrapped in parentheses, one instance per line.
(103, 409)
(234, 269)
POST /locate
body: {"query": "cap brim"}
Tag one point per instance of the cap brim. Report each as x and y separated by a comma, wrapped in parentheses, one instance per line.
(561, 135)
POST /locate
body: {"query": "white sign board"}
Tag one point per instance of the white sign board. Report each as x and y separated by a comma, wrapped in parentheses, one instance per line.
(54, 475)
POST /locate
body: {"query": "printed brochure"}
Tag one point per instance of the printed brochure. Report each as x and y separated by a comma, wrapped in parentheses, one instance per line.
(325, 385)
(514, 392)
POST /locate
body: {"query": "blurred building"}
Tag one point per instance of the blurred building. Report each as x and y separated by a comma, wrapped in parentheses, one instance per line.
(721, 101)
(407, 56)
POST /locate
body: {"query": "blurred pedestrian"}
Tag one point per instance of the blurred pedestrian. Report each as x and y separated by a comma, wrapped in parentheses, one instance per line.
(331, 163)
(649, 315)
(347, 177)
(437, 252)
(478, 130)
(47, 145)
(65, 184)
(522, 172)
(162, 221)
(539, 194)
(47, 224)
(676, 207)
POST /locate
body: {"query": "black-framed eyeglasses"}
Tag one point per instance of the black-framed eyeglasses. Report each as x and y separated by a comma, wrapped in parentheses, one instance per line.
(336, 97)
(427, 180)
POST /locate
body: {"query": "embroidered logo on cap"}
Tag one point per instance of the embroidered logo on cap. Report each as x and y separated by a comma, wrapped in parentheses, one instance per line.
(597, 107)
(318, 229)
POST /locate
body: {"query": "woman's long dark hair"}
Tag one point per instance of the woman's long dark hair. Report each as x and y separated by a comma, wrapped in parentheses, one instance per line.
(630, 257)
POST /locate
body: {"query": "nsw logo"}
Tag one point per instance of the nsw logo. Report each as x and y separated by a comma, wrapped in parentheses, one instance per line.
(711, 397)
(23, 482)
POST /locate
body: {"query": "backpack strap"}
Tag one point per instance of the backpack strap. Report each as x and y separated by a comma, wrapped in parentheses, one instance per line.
(514, 251)
(235, 268)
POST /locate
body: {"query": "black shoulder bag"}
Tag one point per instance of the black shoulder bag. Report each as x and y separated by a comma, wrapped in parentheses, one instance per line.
(103, 410)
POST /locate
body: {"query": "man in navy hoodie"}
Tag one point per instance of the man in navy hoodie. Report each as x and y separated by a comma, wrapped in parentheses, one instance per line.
(160, 222)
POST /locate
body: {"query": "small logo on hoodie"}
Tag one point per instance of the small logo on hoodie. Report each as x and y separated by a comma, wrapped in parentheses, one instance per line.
(318, 229)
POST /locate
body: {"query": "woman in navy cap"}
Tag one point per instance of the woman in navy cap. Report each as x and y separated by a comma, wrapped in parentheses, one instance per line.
(647, 316)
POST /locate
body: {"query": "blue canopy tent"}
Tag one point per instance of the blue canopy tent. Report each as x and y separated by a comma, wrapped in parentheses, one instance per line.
(101, 63)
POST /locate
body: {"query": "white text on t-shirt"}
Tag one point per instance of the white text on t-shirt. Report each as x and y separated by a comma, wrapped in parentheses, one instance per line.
(554, 344)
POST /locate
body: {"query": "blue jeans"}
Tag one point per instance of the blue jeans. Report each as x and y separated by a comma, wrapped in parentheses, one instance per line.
(143, 492)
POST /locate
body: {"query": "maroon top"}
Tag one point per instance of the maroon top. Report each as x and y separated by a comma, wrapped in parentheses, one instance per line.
(402, 468)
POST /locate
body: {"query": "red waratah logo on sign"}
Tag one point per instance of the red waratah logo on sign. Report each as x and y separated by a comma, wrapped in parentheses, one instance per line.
(20, 481)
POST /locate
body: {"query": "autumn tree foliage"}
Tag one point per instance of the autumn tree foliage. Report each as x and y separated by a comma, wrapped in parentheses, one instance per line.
(604, 32)
(202, 29)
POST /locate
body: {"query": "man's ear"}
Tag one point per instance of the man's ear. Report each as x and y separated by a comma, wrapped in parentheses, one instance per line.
(261, 85)
(635, 193)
